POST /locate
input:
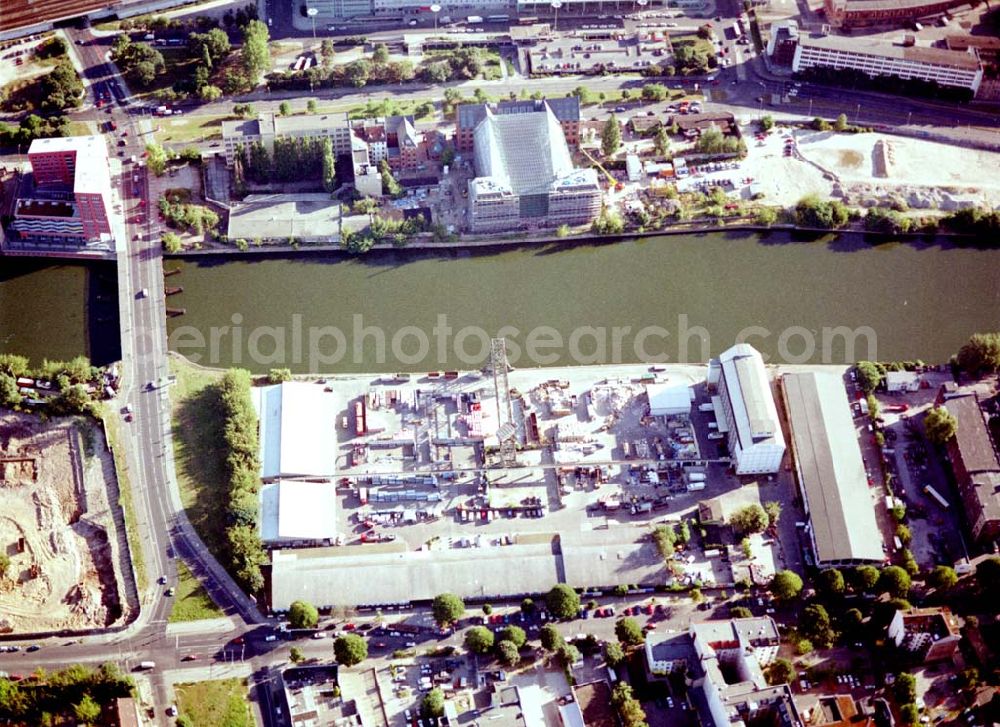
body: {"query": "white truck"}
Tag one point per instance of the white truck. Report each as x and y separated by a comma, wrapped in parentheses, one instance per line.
(474, 20)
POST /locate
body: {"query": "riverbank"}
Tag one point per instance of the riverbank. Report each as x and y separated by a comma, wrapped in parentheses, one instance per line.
(589, 238)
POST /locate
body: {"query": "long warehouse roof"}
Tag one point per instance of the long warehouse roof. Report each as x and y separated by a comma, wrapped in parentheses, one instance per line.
(829, 461)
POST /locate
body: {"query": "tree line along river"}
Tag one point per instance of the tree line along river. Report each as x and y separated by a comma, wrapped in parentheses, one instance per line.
(676, 298)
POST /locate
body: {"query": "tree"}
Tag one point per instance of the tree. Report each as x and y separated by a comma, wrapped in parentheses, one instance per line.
(156, 158)
(358, 72)
(851, 622)
(432, 705)
(613, 653)
(942, 578)
(285, 108)
(780, 671)
(705, 32)
(786, 585)
(563, 601)
(815, 623)
(279, 376)
(611, 137)
(662, 141)
(302, 615)
(749, 519)
(766, 216)
(740, 612)
(767, 122)
(527, 606)
(869, 375)
(184, 721)
(628, 631)
(803, 646)
(655, 93)
(895, 581)
(295, 655)
(909, 714)
(508, 653)
(87, 710)
(550, 637)
(988, 576)
(311, 109)
(981, 354)
(568, 654)
(487, 609)
(10, 395)
(940, 425)
(254, 54)
(447, 609)
(209, 93)
(479, 640)
(4, 564)
(904, 689)
(628, 707)
(380, 55)
(864, 578)
(514, 634)
(350, 649)
(841, 123)
(811, 211)
(831, 581)
(389, 184)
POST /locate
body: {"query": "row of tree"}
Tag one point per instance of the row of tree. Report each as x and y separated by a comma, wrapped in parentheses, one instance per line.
(293, 159)
(75, 693)
(246, 551)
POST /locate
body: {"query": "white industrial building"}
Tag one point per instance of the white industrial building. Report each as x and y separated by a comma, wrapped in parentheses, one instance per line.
(298, 431)
(669, 399)
(293, 511)
(749, 417)
(831, 471)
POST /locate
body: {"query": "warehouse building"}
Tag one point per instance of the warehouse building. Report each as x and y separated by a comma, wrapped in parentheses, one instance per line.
(975, 464)
(298, 513)
(525, 175)
(747, 414)
(951, 68)
(298, 435)
(831, 471)
(669, 399)
(70, 194)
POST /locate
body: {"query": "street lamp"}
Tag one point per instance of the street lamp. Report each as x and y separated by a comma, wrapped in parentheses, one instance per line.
(642, 3)
(435, 9)
(312, 13)
(555, 5)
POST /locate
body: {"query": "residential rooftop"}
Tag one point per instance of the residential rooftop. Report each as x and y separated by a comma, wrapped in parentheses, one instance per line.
(914, 54)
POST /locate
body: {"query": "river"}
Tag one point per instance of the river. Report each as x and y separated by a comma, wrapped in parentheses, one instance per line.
(676, 298)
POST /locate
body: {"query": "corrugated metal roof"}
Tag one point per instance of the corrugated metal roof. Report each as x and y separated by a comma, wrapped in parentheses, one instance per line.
(841, 509)
(297, 430)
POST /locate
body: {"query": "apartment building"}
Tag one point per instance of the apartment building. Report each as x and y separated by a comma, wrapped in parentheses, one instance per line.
(70, 198)
(952, 68)
(859, 13)
(524, 175)
(931, 634)
(566, 110)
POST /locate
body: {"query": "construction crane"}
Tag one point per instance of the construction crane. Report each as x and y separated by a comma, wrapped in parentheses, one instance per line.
(613, 184)
(506, 432)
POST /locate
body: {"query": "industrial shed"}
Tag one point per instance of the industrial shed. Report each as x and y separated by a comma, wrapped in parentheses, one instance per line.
(669, 399)
(831, 471)
(298, 512)
(298, 434)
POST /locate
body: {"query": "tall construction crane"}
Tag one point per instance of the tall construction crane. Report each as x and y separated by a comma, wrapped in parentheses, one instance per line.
(506, 432)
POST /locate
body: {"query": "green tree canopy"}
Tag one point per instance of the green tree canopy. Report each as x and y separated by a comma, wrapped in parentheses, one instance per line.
(479, 640)
(894, 581)
(815, 623)
(740, 612)
(514, 634)
(563, 601)
(508, 653)
(864, 578)
(447, 608)
(940, 425)
(749, 519)
(780, 671)
(831, 581)
(786, 585)
(611, 137)
(87, 710)
(613, 653)
(628, 631)
(904, 689)
(350, 649)
(302, 615)
(550, 637)
(981, 354)
(942, 578)
(432, 705)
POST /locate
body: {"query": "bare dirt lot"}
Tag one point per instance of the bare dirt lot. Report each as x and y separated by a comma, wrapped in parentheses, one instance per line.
(56, 526)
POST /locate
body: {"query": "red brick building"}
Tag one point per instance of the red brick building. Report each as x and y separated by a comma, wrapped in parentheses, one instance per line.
(859, 13)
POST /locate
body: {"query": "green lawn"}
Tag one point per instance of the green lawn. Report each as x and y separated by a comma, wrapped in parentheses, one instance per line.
(191, 601)
(197, 127)
(178, 66)
(215, 703)
(200, 453)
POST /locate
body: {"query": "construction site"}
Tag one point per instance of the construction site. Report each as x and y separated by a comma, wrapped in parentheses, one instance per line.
(61, 528)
